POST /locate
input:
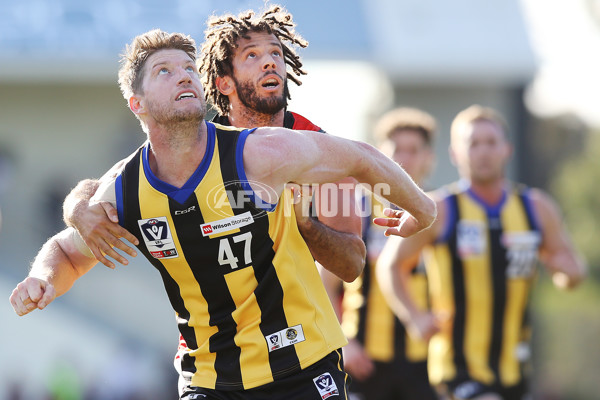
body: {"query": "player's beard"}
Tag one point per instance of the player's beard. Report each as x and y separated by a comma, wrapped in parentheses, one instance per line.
(486, 174)
(167, 116)
(265, 105)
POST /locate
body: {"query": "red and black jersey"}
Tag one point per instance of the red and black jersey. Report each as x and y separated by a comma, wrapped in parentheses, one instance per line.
(291, 120)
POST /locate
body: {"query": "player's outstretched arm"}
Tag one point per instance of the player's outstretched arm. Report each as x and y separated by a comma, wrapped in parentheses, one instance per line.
(59, 263)
(275, 156)
(397, 259)
(97, 222)
(557, 253)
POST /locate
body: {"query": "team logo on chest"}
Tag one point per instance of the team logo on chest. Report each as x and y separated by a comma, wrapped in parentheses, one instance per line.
(157, 236)
(471, 238)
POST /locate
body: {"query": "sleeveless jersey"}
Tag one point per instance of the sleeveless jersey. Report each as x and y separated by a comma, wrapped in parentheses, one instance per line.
(480, 273)
(248, 298)
(366, 314)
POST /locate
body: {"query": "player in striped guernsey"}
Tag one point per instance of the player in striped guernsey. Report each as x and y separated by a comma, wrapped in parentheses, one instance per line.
(481, 256)
(206, 206)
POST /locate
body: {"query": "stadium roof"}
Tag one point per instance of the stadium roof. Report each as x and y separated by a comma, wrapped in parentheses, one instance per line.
(414, 41)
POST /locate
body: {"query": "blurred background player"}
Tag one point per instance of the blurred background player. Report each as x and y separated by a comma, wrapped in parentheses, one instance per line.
(384, 361)
(481, 256)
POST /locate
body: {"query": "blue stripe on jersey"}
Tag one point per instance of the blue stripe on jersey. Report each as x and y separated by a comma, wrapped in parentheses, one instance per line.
(450, 219)
(119, 199)
(239, 162)
(180, 195)
(528, 204)
(491, 210)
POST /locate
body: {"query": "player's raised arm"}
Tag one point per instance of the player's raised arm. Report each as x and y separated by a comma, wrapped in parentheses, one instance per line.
(557, 252)
(275, 156)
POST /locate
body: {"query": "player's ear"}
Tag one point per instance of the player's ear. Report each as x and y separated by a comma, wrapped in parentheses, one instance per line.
(509, 150)
(136, 105)
(225, 85)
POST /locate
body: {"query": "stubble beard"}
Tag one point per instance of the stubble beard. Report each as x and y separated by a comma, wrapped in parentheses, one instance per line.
(265, 105)
(486, 178)
(177, 119)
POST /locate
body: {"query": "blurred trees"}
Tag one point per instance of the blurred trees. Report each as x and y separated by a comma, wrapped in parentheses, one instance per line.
(577, 188)
(565, 160)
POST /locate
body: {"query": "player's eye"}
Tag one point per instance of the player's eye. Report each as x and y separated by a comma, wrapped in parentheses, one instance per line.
(163, 70)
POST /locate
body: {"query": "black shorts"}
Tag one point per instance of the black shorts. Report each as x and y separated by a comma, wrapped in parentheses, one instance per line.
(394, 381)
(468, 389)
(323, 380)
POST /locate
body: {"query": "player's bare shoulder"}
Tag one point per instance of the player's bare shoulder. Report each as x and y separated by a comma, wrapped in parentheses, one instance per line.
(272, 145)
(546, 209)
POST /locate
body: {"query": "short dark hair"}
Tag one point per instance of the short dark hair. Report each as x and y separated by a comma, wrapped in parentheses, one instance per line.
(221, 39)
(405, 118)
(475, 113)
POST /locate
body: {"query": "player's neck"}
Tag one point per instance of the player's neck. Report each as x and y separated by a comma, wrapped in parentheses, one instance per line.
(175, 156)
(246, 118)
(490, 192)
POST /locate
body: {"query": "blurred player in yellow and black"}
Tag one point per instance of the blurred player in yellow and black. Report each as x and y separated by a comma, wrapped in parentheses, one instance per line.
(481, 256)
(384, 361)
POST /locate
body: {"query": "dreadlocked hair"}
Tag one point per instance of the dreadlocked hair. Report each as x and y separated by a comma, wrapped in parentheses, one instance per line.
(143, 46)
(221, 39)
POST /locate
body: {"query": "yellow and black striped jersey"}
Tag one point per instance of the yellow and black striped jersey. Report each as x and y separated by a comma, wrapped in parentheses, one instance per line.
(248, 298)
(480, 273)
(366, 315)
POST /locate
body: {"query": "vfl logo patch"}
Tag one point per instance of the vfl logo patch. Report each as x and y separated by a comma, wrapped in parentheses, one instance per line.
(285, 337)
(326, 386)
(157, 236)
(471, 237)
(227, 224)
(274, 342)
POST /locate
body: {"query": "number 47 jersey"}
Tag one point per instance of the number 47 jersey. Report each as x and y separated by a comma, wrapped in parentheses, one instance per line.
(248, 298)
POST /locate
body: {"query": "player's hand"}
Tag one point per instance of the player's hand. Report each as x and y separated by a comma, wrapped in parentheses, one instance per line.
(98, 225)
(399, 223)
(565, 281)
(302, 203)
(30, 294)
(423, 326)
(356, 361)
